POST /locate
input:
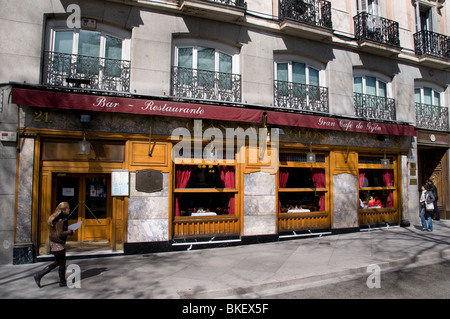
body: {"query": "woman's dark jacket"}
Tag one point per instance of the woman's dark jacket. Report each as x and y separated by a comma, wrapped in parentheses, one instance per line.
(58, 231)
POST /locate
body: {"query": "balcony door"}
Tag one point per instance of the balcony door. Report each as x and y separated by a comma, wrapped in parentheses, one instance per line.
(90, 202)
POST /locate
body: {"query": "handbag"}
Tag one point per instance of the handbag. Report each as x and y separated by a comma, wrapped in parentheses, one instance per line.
(429, 206)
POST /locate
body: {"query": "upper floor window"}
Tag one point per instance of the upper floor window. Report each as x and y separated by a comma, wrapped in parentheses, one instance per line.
(297, 72)
(372, 96)
(370, 85)
(369, 6)
(206, 72)
(297, 85)
(427, 95)
(89, 58)
(431, 112)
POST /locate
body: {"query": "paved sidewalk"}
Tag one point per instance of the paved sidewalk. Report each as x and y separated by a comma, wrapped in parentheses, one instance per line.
(240, 271)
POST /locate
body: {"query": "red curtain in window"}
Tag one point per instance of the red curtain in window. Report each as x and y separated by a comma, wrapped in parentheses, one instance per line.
(388, 177)
(227, 176)
(182, 175)
(318, 179)
(284, 175)
(362, 176)
(388, 180)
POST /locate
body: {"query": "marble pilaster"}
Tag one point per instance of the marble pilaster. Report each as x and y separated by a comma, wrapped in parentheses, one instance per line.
(259, 204)
(148, 213)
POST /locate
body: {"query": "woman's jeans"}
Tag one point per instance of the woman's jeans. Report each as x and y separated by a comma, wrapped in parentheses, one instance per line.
(424, 216)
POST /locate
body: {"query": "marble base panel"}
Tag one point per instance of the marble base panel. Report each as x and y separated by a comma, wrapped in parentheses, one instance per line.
(345, 201)
(148, 230)
(259, 204)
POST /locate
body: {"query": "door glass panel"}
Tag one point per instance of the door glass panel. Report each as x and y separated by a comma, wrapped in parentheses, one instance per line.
(357, 85)
(63, 45)
(88, 46)
(382, 89)
(371, 85)
(96, 199)
(205, 66)
(298, 73)
(417, 98)
(313, 77)
(63, 41)
(113, 52)
(67, 191)
(427, 95)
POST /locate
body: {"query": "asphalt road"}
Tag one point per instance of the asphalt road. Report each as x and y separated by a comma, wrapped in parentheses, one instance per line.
(429, 282)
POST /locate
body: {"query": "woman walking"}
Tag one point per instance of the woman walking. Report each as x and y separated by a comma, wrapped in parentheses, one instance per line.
(426, 207)
(58, 234)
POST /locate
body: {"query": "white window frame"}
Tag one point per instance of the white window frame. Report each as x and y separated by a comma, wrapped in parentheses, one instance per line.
(309, 63)
(370, 6)
(378, 76)
(217, 46)
(422, 6)
(434, 89)
(61, 25)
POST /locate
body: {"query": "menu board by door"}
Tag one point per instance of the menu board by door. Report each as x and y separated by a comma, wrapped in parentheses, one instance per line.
(120, 183)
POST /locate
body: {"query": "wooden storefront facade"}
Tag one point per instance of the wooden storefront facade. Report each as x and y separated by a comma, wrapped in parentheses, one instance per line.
(301, 179)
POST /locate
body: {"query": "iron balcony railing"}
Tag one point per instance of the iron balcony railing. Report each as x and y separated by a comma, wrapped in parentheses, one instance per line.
(312, 12)
(301, 96)
(378, 29)
(72, 70)
(233, 3)
(431, 117)
(206, 85)
(374, 107)
(435, 44)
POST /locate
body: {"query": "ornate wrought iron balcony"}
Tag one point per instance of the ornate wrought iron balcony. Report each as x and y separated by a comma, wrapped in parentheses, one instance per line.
(378, 29)
(206, 85)
(431, 117)
(435, 44)
(374, 107)
(71, 70)
(312, 12)
(301, 96)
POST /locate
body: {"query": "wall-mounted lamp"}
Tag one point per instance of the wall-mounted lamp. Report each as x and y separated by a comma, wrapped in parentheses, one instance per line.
(84, 147)
(310, 157)
(385, 162)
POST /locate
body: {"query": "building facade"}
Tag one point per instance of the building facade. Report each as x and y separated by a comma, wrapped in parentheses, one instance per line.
(188, 123)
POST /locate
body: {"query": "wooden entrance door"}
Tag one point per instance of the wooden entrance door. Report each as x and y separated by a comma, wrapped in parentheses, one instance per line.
(90, 202)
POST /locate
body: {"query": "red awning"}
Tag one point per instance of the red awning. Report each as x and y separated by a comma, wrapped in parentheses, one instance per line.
(100, 103)
(330, 123)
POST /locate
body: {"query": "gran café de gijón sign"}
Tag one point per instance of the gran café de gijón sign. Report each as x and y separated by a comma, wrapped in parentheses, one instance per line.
(332, 173)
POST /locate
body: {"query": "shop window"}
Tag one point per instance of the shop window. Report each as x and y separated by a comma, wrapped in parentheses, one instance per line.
(376, 183)
(205, 190)
(302, 186)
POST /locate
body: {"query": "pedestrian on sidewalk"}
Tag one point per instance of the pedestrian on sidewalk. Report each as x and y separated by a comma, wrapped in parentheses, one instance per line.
(58, 223)
(426, 207)
(435, 193)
